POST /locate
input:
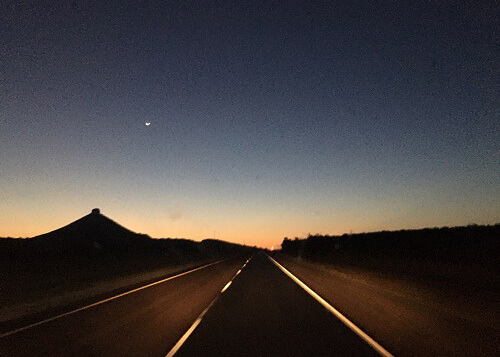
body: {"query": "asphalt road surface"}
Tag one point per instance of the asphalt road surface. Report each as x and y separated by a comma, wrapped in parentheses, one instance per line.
(265, 313)
(262, 312)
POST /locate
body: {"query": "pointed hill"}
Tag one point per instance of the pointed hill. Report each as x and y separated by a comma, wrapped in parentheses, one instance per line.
(93, 232)
(97, 236)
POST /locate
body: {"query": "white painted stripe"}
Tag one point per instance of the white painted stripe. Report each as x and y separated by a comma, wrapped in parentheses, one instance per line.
(345, 320)
(227, 286)
(188, 333)
(106, 300)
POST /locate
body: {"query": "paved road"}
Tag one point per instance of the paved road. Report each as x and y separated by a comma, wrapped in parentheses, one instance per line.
(261, 313)
(265, 313)
(145, 323)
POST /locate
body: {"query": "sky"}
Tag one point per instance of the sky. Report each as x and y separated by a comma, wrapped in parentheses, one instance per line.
(267, 118)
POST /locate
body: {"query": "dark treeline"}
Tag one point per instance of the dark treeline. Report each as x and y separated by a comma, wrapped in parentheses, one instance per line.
(469, 244)
(31, 251)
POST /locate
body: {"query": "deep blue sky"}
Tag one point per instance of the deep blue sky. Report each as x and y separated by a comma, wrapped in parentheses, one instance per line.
(268, 119)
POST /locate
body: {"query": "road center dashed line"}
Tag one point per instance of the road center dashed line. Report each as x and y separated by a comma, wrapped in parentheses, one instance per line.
(227, 285)
(377, 347)
(195, 324)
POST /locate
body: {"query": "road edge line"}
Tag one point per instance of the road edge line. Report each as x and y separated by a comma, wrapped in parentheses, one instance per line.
(196, 322)
(12, 332)
(375, 345)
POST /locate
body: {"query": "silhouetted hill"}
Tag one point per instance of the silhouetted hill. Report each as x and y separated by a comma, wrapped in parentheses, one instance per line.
(94, 251)
(97, 236)
(93, 232)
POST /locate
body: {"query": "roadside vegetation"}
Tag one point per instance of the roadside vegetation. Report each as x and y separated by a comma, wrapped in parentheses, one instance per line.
(467, 253)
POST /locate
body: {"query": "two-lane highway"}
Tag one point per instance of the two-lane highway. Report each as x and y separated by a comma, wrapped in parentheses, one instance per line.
(238, 307)
(265, 313)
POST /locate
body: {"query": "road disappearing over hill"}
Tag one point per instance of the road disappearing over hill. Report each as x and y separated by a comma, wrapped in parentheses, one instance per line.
(247, 306)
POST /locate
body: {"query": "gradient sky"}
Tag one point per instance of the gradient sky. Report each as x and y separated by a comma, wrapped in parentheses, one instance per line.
(268, 118)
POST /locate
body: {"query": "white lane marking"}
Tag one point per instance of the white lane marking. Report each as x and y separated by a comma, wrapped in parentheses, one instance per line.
(345, 320)
(227, 286)
(105, 300)
(188, 333)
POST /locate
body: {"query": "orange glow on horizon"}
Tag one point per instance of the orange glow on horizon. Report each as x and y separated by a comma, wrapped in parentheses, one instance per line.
(265, 231)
